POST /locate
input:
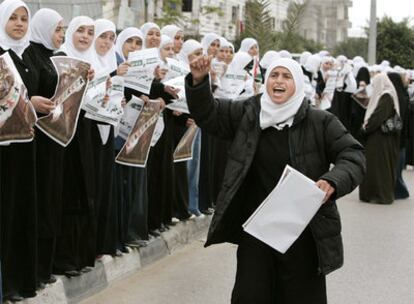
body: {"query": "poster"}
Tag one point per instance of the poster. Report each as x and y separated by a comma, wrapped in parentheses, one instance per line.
(136, 148)
(108, 110)
(184, 149)
(141, 69)
(180, 104)
(17, 115)
(60, 125)
(131, 113)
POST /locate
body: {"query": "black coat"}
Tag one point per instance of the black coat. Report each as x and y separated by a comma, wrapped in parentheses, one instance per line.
(316, 139)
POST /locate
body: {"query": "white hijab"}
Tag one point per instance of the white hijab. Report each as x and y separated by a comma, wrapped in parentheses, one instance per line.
(208, 40)
(124, 36)
(313, 64)
(303, 57)
(285, 54)
(381, 85)
(224, 44)
(170, 30)
(145, 28)
(69, 49)
(240, 61)
(281, 115)
(42, 32)
(7, 8)
(108, 61)
(268, 57)
(189, 47)
(164, 41)
(247, 43)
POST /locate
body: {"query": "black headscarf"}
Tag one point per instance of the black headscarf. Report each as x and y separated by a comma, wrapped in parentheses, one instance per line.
(403, 102)
(363, 75)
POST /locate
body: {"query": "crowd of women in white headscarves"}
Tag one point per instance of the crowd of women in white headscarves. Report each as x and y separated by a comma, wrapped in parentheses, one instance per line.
(63, 208)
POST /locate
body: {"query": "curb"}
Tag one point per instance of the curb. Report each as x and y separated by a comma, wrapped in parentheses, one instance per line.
(110, 269)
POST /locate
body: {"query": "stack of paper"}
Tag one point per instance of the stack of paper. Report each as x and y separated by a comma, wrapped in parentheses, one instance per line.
(286, 212)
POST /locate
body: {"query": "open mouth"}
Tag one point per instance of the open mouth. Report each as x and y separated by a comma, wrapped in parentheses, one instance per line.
(279, 90)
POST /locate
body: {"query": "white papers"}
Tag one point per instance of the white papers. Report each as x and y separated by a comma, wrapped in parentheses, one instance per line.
(175, 69)
(185, 148)
(141, 70)
(104, 104)
(232, 84)
(286, 212)
(180, 104)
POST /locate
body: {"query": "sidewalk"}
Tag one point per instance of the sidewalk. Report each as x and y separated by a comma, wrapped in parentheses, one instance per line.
(109, 269)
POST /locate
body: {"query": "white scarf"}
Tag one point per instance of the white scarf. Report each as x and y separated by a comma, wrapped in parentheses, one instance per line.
(240, 61)
(381, 85)
(123, 36)
(7, 8)
(189, 47)
(208, 40)
(69, 49)
(247, 44)
(268, 58)
(107, 61)
(281, 115)
(42, 31)
(145, 28)
(171, 31)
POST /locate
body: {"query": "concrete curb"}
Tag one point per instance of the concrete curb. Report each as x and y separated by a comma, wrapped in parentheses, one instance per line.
(109, 269)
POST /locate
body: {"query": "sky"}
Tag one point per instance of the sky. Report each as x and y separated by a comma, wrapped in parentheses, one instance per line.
(360, 11)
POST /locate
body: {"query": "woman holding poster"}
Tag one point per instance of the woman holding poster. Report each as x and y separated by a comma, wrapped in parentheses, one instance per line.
(18, 168)
(268, 132)
(46, 38)
(75, 249)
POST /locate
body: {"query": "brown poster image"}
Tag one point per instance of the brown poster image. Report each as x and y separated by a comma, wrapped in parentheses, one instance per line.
(17, 115)
(184, 149)
(136, 148)
(60, 124)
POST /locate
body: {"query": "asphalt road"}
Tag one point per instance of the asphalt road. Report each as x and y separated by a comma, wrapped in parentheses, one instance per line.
(379, 264)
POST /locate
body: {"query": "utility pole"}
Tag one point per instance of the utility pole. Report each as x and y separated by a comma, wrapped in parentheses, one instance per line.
(146, 10)
(372, 44)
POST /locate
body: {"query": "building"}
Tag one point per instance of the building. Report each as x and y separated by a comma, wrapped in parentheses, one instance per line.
(69, 9)
(326, 21)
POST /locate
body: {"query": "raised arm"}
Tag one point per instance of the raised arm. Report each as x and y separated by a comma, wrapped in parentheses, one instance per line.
(217, 117)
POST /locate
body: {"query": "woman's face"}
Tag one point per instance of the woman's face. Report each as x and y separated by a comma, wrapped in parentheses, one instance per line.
(221, 54)
(254, 51)
(18, 23)
(280, 85)
(83, 37)
(213, 48)
(104, 42)
(58, 35)
(167, 51)
(178, 41)
(229, 55)
(131, 45)
(195, 54)
(153, 38)
(326, 66)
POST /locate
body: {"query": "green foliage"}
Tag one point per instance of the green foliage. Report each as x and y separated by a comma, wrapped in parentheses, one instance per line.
(352, 47)
(395, 42)
(171, 13)
(210, 9)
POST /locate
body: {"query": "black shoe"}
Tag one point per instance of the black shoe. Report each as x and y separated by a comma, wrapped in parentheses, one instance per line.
(155, 232)
(208, 211)
(86, 269)
(52, 279)
(41, 286)
(13, 298)
(72, 273)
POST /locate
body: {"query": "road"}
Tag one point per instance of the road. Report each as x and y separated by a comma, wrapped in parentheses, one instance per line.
(379, 264)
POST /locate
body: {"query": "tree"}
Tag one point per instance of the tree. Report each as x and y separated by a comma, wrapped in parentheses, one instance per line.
(257, 24)
(395, 42)
(171, 13)
(352, 47)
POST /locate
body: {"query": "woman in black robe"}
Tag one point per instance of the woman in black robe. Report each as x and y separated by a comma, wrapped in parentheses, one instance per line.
(76, 247)
(46, 38)
(401, 190)
(18, 243)
(381, 149)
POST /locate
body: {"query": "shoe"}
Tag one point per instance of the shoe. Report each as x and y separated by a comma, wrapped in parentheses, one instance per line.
(86, 269)
(208, 211)
(155, 233)
(137, 243)
(174, 220)
(13, 298)
(118, 253)
(200, 216)
(52, 279)
(72, 273)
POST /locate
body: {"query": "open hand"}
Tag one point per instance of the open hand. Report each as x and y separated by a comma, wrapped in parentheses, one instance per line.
(200, 67)
(42, 105)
